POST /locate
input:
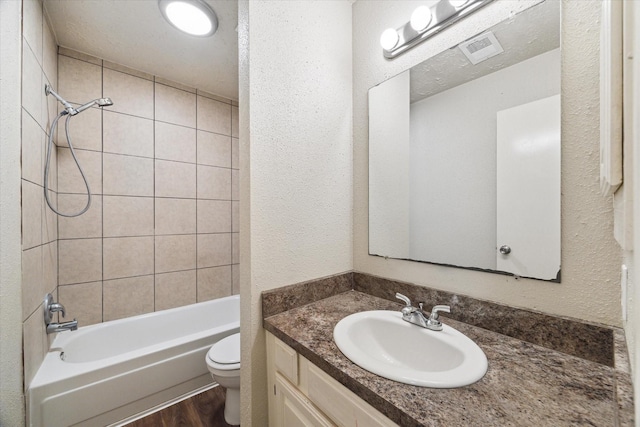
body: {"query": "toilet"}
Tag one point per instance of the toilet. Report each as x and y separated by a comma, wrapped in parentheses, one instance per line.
(223, 361)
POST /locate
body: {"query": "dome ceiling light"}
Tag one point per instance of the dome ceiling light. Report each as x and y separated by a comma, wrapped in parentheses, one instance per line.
(193, 17)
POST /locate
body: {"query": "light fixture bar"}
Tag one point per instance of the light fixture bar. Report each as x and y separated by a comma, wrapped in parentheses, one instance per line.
(443, 14)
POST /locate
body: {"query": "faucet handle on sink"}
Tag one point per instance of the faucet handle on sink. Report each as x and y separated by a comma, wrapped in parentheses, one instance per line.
(404, 299)
(408, 309)
(436, 309)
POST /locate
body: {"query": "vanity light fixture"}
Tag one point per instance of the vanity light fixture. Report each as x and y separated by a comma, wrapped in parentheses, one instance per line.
(421, 18)
(458, 3)
(193, 17)
(426, 21)
(389, 39)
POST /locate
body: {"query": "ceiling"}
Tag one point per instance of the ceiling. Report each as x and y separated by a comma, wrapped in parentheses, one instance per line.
(134, 33)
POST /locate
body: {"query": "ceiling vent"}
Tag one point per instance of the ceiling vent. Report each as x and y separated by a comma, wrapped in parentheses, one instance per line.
(481, 48)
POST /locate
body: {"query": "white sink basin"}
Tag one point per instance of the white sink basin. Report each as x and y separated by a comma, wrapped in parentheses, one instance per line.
(382, 343)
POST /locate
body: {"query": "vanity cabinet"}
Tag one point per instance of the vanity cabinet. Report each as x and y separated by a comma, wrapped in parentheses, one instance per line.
(301, 394)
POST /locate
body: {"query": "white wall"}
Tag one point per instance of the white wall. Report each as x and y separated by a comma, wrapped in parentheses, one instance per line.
(12, 406)
(590, 288)
(389, 171)
(453, 161)
(296, 161)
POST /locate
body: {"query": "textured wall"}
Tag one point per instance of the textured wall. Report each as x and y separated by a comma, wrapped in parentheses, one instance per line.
(11, 396)
(162, 163)
(590, 256)
(295, 74)
(632, 176)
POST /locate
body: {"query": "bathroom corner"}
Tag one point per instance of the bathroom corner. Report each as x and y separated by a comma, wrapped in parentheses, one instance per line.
(11, 367)
(39, 223)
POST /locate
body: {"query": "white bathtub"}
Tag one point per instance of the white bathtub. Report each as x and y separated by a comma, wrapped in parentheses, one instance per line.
(115, 370)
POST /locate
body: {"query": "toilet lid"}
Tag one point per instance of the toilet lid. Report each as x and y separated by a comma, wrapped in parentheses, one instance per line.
(226, 351)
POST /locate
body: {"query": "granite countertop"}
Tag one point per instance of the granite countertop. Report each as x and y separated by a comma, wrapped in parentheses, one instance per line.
(526, 384)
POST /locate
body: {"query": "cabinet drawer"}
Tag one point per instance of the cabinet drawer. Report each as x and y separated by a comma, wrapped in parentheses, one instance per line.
(340, 404)
(285, 360)
(294, 408)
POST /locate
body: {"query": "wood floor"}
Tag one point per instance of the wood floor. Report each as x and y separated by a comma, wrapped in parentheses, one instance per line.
(202, 410)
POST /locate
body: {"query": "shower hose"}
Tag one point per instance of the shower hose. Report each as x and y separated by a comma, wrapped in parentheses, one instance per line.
(54, 125)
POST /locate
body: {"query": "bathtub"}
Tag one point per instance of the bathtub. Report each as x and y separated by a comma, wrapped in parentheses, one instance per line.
(109, 372)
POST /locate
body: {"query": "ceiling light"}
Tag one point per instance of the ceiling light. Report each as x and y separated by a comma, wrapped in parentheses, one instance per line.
(458, 3)
(420, 18)
(193, 17)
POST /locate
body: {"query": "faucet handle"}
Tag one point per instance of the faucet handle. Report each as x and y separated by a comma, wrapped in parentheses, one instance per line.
(436, 309)
(57, 307)
(404, 299)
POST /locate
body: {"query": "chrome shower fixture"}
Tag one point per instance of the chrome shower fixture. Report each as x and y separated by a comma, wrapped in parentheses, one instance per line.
(49, 91)
(68, 111)
(101, 102)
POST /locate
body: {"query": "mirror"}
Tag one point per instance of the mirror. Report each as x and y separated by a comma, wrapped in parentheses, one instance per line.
(464, 158)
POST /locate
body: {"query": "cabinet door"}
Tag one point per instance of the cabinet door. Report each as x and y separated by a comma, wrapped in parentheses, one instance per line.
(294, 409)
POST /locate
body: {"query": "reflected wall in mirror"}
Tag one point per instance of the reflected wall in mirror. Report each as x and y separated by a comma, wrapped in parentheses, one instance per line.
(464, 158)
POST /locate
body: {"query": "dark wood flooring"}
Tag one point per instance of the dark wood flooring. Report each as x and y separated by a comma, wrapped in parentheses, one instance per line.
(202, 410)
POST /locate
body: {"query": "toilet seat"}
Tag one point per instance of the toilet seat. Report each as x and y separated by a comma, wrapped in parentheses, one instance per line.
(225, 354)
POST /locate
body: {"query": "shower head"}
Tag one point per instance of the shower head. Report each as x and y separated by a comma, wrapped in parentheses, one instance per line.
(105, 102)
(101, 102)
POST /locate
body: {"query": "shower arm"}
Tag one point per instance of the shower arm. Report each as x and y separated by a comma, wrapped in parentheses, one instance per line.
(49, 91)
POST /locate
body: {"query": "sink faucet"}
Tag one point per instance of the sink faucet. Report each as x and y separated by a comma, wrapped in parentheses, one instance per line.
(51, 307)
(416, 316)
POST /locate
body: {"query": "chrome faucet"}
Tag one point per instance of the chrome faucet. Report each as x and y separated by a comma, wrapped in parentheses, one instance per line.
(416, 316)
(51, 307)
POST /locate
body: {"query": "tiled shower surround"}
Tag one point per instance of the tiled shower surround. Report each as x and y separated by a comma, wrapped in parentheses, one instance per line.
(162, 164)
(39, 224)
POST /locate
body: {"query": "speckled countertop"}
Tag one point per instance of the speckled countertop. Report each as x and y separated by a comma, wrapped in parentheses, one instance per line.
(525, 385)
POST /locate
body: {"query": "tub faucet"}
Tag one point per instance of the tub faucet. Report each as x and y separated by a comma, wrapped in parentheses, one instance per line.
(61, 327)
(416, 316)
(51, 307)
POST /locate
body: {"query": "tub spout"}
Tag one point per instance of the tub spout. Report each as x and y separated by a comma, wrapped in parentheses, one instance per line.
(61, 327)
(50, 307)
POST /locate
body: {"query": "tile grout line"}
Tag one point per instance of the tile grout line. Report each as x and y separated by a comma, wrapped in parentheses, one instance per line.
(154, 195)
(102, 185)
(148, 158)
(231, 202)
(197, 237)
(57, 178)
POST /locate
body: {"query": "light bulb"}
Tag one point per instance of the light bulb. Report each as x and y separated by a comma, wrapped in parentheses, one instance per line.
(389, 39)
(458, 3)
(420, 18)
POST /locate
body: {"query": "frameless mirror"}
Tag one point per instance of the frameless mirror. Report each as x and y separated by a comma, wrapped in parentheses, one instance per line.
(464, 153)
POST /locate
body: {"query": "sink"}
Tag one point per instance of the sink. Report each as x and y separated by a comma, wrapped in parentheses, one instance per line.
(382, 343)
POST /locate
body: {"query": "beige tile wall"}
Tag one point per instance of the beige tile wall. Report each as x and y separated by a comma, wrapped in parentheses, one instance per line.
(39, 224)
(162, 163)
